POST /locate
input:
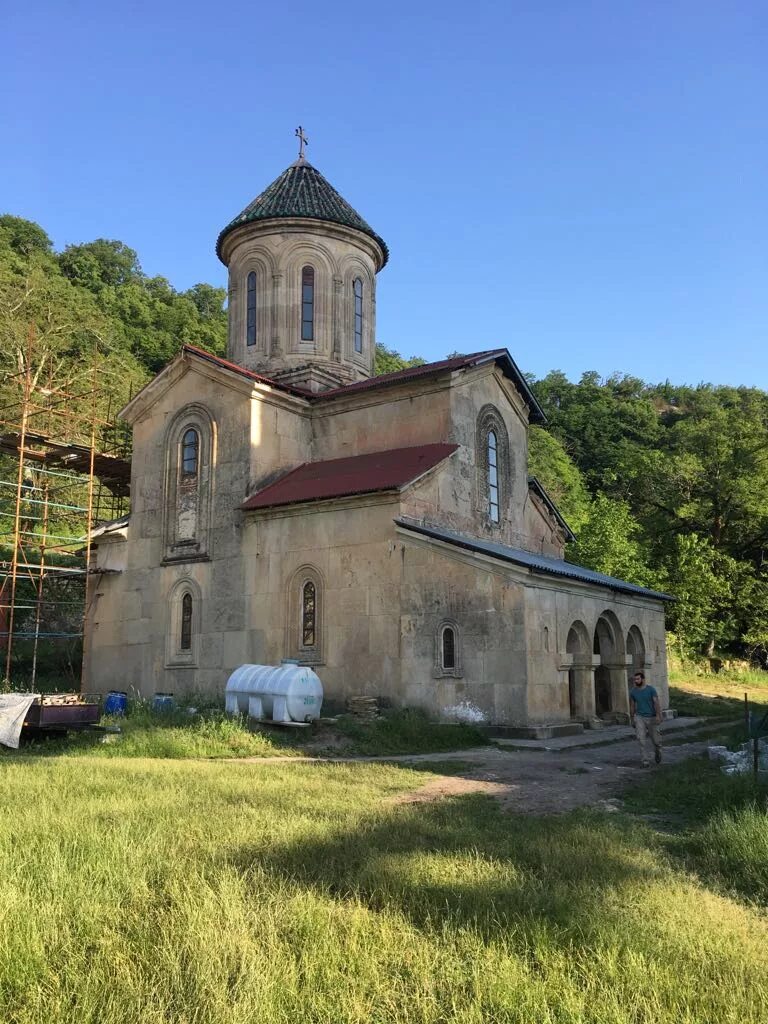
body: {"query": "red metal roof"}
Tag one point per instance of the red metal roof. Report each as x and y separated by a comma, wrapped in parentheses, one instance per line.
(357, 474)
(227, 365)
(498, 355)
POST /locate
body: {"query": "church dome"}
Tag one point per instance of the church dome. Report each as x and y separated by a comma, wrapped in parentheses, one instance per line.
(302, 191)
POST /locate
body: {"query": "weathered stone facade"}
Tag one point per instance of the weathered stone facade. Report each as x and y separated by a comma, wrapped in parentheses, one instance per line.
(410, 591)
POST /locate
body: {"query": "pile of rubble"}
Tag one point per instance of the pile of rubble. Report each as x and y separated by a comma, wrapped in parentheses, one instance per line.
(740, 762)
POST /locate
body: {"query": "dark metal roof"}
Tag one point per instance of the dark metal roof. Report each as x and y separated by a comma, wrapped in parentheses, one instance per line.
(356, 474)
(302, 191)
(500, 356)
(535, 563)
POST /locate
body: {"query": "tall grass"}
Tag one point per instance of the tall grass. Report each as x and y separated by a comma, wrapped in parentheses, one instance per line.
(210, 733)
(406, 732)
(722, 832)
(141, 892)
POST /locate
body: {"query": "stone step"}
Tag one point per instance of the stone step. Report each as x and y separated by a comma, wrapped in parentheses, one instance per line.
(600, 737)
(534, 732)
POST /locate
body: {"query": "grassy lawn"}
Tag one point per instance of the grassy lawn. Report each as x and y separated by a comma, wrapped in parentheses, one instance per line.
(212, 734)
(717, 696)
(141, 891)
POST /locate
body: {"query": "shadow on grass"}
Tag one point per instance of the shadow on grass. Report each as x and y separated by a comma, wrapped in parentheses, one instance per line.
(463, 863)
(720, 824)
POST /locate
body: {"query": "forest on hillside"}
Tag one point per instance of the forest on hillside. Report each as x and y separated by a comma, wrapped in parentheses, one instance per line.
(663, 484)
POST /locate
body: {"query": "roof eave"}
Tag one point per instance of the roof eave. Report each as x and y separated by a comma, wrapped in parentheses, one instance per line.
(470, 544)
(371, 236)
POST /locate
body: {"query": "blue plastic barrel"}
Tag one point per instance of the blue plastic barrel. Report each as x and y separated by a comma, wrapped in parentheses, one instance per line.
(115, 702)
(163, 702)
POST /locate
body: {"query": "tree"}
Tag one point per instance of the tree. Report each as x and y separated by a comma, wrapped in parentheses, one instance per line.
(24, 237)
(550, 463)
(609, 542)
(104, 262)
(703, 583)
(387, 361)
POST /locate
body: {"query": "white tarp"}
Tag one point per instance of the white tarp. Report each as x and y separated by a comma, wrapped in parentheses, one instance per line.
(13, 711)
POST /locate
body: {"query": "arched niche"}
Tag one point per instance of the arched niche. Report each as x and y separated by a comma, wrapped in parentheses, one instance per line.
(611, 697)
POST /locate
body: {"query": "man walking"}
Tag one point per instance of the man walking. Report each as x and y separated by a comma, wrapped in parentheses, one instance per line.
(645, 715)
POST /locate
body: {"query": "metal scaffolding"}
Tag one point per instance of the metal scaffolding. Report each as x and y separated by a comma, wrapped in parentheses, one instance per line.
(64, 470)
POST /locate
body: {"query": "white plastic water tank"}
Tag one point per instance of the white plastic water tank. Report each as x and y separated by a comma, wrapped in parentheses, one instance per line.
(285, 693)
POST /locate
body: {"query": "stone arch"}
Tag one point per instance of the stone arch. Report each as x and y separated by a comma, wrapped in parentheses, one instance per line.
(305, 252)
(257, 263)
(187, 504)
(176, 654)
(298, 644)
(440, 667)
(577, 641)
(580, 674)
(352, 266)
(490, 419)
(635, 651)
(611, 696)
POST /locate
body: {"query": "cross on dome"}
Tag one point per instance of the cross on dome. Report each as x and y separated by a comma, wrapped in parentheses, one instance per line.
(303, 141)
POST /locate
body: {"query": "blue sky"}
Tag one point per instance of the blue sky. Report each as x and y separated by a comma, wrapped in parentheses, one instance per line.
(584, 183)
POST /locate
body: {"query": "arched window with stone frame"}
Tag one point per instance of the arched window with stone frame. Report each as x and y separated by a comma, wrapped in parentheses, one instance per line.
(184, 610)
(494, 466)
(447, 650)
(250, 309)
(305, 640)
(357, 294)
(307, 303)
(190, 441)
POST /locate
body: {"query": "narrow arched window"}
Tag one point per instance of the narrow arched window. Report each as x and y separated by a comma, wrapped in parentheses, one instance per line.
(307, 304)
(250, 335)
(358, 290)
(190, 448)
(185, 638)
(448, 648)
(308, 614)
(493, 477)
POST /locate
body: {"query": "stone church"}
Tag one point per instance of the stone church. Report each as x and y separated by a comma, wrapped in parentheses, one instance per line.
(384, 530)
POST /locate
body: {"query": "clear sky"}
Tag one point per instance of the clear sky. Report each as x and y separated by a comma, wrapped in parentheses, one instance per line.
(585, 182)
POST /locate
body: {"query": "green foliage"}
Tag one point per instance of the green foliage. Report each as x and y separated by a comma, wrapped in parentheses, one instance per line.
(97, 290)
(703, 580)
(99, 264)
(549, 461)
(688, 469)
(23, 237)
(609, 542)
(388, 361)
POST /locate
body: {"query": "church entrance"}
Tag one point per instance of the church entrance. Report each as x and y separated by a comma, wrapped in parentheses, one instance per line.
(605, 647)
(572, 692)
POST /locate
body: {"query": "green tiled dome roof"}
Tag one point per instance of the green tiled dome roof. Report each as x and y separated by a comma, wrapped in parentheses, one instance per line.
(302, 191)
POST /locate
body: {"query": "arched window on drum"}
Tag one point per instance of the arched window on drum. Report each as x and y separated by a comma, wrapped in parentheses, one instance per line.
(250, 312)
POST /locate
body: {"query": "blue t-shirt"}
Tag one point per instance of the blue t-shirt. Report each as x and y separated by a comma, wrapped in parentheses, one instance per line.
(643, 698)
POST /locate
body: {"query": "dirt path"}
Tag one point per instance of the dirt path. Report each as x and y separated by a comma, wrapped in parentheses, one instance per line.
(548, 782)
(530, 781)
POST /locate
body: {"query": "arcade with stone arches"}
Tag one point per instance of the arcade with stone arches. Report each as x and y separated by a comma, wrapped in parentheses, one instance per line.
(599, 662)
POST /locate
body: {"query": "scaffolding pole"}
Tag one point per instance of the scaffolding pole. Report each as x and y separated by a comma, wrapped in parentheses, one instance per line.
(68, 467)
